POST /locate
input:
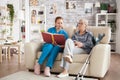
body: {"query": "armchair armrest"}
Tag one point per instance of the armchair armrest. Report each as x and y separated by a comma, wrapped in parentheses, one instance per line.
(31, 50)
(100, 60)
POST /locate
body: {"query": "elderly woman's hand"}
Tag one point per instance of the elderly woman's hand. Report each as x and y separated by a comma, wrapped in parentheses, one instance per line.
(78, 44)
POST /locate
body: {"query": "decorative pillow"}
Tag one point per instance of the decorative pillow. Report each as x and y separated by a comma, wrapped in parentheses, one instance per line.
(96, 40)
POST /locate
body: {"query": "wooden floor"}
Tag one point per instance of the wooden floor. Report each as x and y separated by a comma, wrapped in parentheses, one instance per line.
(8, 67)
(114, 70)
(12, 66)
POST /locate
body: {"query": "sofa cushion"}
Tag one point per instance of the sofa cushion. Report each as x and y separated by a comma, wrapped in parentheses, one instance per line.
(70, 30)
(76, 57)
(80, 58)
(96, 40)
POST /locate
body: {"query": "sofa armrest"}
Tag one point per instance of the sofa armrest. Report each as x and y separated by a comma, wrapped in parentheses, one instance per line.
(100, 60)
(31, 50)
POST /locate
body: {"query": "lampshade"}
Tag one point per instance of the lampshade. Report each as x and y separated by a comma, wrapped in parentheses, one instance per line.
(21, 15)
(97, 4)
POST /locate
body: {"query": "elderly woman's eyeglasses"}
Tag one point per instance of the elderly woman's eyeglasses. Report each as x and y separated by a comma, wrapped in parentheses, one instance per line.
(80, 23)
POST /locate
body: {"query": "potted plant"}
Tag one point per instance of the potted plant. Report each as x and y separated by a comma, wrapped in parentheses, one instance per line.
(113, 26)
(103, 7)
(11, 15)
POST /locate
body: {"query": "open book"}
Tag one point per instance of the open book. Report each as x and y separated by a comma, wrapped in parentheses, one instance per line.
(53, 38)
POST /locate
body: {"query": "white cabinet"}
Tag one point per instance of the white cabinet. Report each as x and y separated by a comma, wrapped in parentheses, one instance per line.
(101, 19)
(104, 19)
(37, 22)
(108, 19)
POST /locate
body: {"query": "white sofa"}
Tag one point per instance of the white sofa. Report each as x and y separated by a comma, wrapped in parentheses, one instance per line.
(99, 61)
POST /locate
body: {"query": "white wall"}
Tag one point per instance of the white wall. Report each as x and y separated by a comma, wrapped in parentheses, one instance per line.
(118, 27)
(70, 16)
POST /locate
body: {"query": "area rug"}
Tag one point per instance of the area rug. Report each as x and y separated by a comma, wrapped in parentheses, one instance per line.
(24, 75)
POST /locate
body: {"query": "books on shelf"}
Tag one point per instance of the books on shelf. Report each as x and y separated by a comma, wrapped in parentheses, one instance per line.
(53, 38)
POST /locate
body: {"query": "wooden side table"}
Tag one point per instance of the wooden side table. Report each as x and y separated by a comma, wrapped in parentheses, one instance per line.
(9, 46)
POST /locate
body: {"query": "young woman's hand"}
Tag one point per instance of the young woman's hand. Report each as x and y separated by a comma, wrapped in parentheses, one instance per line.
(54, 43)
(62, 46)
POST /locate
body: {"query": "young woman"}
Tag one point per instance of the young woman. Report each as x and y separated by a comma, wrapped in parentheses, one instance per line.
(81, 42)
(50, 51)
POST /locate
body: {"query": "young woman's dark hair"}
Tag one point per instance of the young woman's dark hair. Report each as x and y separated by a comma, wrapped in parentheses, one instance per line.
(58, 18)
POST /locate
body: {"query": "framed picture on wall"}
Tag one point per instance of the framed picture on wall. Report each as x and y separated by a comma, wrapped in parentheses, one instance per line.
(40, 12)
(88, 8)
(33, 12)
(71, 5)
(53, 8)
(33, 16)
(34, 2)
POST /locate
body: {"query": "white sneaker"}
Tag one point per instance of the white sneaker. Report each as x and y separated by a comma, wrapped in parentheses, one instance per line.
(47, 72)
(68, 58)
(61, 75)
(37, 69)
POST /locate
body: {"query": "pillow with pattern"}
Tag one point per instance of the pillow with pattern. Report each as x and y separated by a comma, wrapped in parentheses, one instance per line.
(96, 40)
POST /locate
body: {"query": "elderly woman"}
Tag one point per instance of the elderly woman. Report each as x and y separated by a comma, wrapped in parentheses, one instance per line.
(81, 42)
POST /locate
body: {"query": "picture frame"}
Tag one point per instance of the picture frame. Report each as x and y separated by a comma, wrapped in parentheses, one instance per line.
(34, 2)
(71, 5)
(40, 12)
(53, 8)
(88, 8)
(33, 12)
(33, 16)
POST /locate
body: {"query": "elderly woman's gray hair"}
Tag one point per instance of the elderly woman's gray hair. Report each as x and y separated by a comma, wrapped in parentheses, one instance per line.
(85, 21)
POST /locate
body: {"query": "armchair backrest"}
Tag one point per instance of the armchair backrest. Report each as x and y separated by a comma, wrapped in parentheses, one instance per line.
(70, 30)
(98, 30)
(95, 30)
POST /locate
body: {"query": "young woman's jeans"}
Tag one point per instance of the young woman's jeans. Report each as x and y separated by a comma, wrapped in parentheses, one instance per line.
(49, 52)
